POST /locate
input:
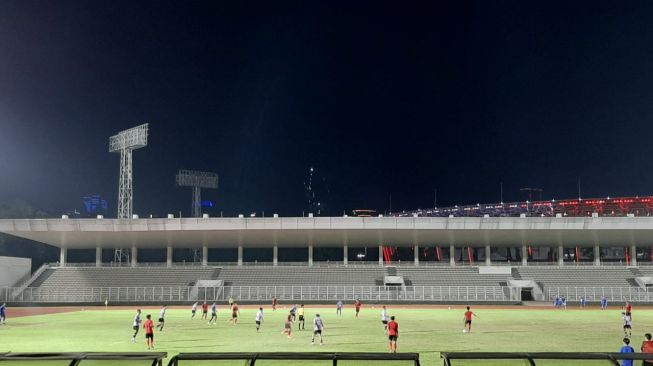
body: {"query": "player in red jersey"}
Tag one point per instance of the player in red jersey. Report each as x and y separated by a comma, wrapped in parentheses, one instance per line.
(288, 327)
(629, 309)
(205, 310)
(393, 334)
(234, 313)
(468, 321)
(149, 332)
(358, 305)
(274, 303)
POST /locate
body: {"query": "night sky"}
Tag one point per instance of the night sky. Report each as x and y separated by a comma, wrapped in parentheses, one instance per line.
(383, 99)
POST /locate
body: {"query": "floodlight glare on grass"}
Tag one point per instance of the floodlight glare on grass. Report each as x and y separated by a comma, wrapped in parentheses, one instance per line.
(197, 180)
(124, 142)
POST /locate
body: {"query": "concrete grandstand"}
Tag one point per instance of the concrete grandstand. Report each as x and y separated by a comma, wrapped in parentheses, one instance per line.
(501, 253)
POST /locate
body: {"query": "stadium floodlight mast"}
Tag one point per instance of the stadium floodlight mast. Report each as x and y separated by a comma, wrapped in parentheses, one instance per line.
(197, 180)
(124, 143)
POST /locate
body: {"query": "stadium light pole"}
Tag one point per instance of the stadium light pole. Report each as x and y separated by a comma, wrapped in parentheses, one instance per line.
(197, 180)
(125, 142)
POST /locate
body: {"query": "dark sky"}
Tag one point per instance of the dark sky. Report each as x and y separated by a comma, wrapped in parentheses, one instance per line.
(392, 98)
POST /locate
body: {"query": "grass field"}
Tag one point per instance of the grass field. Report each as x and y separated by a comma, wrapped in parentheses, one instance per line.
(426, 331)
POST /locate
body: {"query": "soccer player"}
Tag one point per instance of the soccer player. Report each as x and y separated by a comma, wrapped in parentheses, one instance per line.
(318, 327)
(259, 319)
(162, 317)
(358, 305)
(214, 314)
(149, 331)
(300, 313)
(231, 302)
(234, 313)
(468, 320)
(629, 309)
(136, 325)
(288, 327)
(647, 347)
(193, 310)
(628, 323)
(3, 313)
(339, 306)
(384, 318)
(274, 303)
(205, 310)
(393, 334)
(626, 348)
(604, 303)
(293, 312)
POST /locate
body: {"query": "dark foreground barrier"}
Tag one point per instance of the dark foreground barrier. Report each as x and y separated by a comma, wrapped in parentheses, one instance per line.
(148, 358)
(532, 356)
(299, 356)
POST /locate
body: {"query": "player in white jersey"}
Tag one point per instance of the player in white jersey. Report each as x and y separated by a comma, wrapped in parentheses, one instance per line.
(384, 318)
(193, 310)
(628, 322)
(162, 317)
(259, 319)
(318, 327)
(136, 324)
(339, 306)
(214, 314)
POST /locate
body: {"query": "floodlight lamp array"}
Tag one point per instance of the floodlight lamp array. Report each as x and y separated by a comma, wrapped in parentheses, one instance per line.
(131, 139)
(192, 178)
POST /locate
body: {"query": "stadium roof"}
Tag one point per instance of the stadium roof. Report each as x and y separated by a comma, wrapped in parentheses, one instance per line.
(335, 231)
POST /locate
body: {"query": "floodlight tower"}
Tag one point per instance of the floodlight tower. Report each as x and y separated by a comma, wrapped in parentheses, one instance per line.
(197, 180)
(125, 142)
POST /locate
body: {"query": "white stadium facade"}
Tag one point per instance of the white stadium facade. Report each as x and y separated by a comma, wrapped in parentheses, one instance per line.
(340, 232)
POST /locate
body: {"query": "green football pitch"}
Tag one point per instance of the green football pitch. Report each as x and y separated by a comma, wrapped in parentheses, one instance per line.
(426, 331)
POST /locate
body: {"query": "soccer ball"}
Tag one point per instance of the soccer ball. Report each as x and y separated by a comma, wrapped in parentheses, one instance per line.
(464, 330)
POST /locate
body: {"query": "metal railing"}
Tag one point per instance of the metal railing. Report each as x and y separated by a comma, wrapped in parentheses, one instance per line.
(152, 358)
(633, 294)
(251, 358)
(318, 293)
(355, 263)
(531, 357)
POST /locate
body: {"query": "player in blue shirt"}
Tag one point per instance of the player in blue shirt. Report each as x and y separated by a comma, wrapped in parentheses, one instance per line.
(3, 313)
(604, 303)
(626, 348)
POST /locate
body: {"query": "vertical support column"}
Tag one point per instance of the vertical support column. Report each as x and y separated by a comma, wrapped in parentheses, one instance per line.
(134, 256)
(416, 255)
(240, 255)
(597, 255)
(169, 257)
(633, 255)
(488, 255)
(561, 255)
(98, 257)
(524, 255)
(63, 257)
(205, 255)
(310, 255)
(452, 255)
(275, 255)
(380, 255)
(345, 255)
